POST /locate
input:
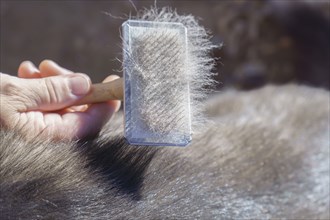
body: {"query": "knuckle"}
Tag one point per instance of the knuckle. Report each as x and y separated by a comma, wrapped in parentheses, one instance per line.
(55, 89)
(50, 91)
(12, 93)
(9, 86)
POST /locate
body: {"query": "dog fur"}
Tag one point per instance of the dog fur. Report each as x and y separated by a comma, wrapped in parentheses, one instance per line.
(264, 154)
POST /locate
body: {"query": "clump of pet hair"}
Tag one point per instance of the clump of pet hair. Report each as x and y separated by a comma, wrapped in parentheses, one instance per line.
(158, 56)
(200, 63)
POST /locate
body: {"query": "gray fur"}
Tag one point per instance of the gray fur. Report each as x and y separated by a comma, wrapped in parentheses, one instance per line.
(158, 96)
(167, 69)
(266, 155)
(199, 61)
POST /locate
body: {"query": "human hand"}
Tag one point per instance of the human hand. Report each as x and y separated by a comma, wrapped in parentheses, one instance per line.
(39, 103)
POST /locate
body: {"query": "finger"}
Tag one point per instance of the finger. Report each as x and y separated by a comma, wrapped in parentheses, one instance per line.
(78, 108)
(115, 103)
(90, 122)
(53, 93)
(28, 70)
(78, 125)
(50, 68)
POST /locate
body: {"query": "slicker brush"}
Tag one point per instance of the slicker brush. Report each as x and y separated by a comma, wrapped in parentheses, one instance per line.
(166, 68)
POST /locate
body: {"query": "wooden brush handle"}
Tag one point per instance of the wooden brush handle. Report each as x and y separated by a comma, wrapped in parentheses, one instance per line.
(102, 92)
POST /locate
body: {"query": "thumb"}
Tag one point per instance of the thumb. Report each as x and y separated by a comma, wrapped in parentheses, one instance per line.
(55, 92)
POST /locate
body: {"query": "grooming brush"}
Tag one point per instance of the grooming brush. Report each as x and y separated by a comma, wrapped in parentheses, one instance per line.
(156, 86)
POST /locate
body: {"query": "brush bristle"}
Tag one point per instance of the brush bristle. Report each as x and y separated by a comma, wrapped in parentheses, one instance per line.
(200, 63)
(157, 89)
(161, 64)
(172, 75)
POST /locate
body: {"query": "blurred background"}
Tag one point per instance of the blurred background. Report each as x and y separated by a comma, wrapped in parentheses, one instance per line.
(263, 41)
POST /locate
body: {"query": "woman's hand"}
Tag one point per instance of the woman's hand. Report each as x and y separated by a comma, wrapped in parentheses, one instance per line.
(39, 102)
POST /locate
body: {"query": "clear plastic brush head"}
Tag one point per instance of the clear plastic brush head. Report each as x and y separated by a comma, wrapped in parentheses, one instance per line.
(157, 103)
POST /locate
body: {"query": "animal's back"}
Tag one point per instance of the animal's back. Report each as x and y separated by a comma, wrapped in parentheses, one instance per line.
(264, 154)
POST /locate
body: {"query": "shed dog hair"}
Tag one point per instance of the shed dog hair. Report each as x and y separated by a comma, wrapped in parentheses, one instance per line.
(199, 61)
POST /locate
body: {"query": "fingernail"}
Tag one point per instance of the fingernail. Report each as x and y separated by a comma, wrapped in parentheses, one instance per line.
(79, 85)
(111, 78)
